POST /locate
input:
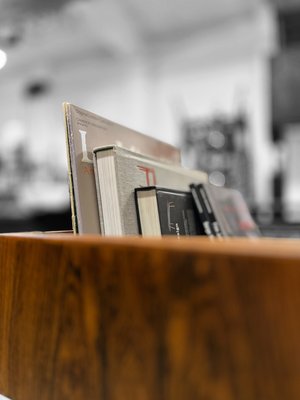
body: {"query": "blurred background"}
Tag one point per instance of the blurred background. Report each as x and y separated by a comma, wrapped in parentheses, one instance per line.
(219, 78)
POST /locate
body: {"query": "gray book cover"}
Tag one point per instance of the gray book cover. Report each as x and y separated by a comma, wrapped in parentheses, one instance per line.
(119, 171)
(84, 132)
(231, 211)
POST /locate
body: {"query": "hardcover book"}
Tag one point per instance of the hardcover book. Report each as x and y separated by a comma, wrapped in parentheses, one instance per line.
(119, 171)
(164, 211)
(85, 131)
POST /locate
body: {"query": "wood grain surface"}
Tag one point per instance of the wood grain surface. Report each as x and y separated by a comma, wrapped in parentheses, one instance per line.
(91, 318)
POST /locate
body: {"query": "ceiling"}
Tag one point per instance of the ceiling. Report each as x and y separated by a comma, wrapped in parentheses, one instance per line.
(155, 17)
(57, 30)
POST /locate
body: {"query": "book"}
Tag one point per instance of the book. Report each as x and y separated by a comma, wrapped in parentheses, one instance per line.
(84, 131)
(205, 211)
(202, 211)
(119, 171)
(229, 210)
(163, 211)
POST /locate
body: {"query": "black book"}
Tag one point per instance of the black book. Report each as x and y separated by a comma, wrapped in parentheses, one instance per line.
(164, 211)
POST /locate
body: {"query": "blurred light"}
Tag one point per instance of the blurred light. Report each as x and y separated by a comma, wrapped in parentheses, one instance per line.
(216, 139)
(217, 178)
(3, 58)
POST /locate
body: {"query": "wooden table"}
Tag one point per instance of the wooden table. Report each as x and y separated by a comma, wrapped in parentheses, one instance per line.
(92, 318)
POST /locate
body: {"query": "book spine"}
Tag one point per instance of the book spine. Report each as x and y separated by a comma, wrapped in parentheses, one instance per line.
(211, 215)
(136, 200)
(202, 212)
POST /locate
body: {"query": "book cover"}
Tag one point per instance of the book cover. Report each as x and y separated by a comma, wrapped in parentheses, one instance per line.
(84, 132)
(163, 211)
(231, 211)
(119, 171)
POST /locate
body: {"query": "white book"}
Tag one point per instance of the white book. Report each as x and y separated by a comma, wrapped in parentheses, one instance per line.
(118, 172)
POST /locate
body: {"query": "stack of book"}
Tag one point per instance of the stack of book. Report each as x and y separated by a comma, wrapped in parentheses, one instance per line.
(125, 183)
